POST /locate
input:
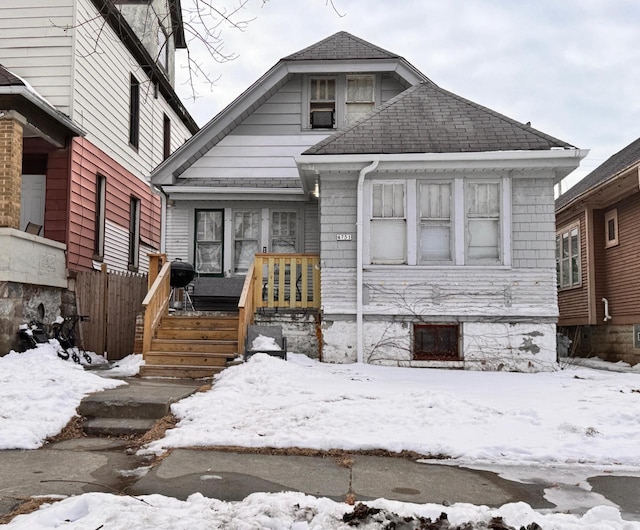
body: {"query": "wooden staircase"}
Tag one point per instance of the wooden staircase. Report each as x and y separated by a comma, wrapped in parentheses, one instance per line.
(192, 346)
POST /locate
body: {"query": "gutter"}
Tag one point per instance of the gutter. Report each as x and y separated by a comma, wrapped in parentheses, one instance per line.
(359, 265)
(45, 106)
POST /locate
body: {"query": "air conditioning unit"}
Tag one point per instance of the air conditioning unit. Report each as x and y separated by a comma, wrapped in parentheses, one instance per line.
(322, 119)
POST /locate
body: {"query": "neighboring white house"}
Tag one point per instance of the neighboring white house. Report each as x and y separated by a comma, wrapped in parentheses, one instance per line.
(433, 216)
(87, 100)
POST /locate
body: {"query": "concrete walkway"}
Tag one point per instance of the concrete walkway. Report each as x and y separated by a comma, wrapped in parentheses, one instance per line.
(102, 464)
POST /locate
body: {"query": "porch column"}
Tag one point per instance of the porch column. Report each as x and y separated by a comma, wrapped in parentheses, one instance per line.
(10, 168)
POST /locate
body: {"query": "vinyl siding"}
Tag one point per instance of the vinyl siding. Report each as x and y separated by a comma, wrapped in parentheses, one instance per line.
(104, 68)
(390, 87)
(34, 45)
(87, 162)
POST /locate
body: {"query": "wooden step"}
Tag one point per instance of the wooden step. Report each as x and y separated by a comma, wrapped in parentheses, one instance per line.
(197, 322)
(187, 359)
(167, 370)
(197, 334)
(196, 346)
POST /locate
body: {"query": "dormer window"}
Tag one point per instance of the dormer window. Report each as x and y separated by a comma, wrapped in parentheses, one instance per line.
(360, 100)
(322, 103)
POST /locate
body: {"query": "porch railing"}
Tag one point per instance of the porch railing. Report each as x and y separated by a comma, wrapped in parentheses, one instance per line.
(278, 281)
(156, 304)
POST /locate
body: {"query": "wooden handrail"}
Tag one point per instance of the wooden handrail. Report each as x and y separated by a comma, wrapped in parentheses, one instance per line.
(156, 305)
(246, 307)
(290, 281)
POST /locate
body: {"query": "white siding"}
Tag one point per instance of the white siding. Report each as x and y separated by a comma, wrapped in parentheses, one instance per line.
(101, 97)
(178, 229)
(442, 292)
(253, 157)
(389, 88)
(34, 45)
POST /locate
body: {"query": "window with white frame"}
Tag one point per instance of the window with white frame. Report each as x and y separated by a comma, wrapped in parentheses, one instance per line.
(435, 222)
(388, 223)
(611, 228)
(284, 232)
(568, 257)
(246, 230)
(482, 201)
(360, 97)
(322, 102)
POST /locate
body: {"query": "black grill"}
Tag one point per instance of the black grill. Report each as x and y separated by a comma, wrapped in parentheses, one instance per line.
(181, 273)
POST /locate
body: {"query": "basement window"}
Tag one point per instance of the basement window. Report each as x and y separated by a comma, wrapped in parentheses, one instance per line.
(436, 342)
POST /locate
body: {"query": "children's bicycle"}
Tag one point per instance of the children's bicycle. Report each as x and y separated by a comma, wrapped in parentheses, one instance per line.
(64, 331)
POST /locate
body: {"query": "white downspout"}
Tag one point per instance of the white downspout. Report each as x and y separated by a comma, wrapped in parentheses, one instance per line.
(607, 316)
(359, 252)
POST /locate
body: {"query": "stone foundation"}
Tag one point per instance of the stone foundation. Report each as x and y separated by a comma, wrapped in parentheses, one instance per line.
(609, 342)
(525, 347)
(300, 329)
(21, 303)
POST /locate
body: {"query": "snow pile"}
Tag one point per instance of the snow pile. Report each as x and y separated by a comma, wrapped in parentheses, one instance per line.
(262, 343)
(39, 394)
(127, 367)
(600, 364)
(571, 416)
(294, 511)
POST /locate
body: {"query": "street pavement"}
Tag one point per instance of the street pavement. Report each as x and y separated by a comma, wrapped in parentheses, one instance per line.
(97, 464)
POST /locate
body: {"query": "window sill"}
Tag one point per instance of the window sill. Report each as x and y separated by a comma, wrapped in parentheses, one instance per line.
(442, 266)
(571, 288)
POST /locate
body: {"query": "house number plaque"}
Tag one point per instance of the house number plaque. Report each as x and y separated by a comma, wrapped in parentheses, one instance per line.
(343, 237)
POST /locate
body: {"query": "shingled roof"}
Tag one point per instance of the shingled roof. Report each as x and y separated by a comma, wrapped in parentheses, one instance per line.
(614, 165)
(9, 79)
(427, 119)
(341, 46)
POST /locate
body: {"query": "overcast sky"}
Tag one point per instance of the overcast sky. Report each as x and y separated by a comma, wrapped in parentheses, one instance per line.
(570, 67)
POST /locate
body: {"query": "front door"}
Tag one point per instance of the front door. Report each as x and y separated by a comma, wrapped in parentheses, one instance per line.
(209, 242)
(32, 200)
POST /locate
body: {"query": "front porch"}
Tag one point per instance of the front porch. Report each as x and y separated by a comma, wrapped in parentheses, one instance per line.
(201, 343)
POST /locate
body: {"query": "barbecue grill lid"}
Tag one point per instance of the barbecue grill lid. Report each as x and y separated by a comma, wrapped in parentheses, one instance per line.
(181, 273)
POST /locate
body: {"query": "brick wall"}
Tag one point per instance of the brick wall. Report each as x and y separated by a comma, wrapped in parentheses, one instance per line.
(10, 172)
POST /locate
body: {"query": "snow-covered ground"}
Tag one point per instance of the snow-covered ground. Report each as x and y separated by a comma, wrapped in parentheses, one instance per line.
(574, 417)
(294, 511)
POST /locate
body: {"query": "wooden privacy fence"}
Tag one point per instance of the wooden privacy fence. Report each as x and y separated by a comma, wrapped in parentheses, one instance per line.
(111, 300)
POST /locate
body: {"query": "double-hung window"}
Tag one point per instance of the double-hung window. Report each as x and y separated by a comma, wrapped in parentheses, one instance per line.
(101, 211)
(388, 223)
(435, 222)
(246, 229)
(568, 257)
(483, 221)
(208, 244)
(360, 98)
(134, 111)
(322, 102)
(284, 232)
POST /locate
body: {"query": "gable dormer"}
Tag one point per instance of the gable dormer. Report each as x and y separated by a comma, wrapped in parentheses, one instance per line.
(158, 25)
